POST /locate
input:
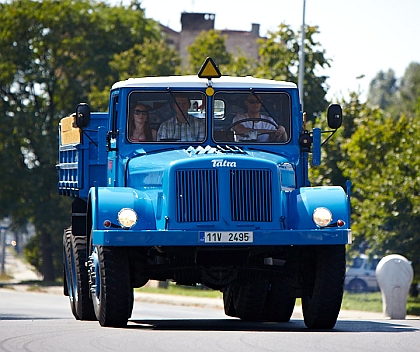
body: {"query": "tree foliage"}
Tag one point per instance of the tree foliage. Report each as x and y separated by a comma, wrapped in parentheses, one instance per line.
(383, 164)
(55, 54)
(52, 56)
(382, 89)
(378, 150)
(334, 157)
(279, 59)
(208, 43)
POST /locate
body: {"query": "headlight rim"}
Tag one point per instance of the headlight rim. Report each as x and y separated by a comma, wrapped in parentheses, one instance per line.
(130, 218)
(322, 216)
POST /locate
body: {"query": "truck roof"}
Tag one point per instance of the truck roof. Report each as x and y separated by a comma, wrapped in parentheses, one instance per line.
(192, 81)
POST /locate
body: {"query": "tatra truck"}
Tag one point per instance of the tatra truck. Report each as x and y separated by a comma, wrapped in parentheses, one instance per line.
(202, 180)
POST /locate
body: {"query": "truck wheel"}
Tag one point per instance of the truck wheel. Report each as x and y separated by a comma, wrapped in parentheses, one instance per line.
(111, 291)
(67, 274)
(357, 286)
(80, 283)
(250, 300)
(229, 299)
(322, 306)
(279, 304)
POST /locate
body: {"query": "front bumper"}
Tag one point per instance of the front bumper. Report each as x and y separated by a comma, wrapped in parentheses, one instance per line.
(149, 238)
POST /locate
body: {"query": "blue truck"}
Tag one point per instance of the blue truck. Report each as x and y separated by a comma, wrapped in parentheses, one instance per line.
(216, 194)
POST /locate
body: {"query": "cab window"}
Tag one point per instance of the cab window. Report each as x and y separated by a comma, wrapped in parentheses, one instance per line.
(243, 117)
(166, 117)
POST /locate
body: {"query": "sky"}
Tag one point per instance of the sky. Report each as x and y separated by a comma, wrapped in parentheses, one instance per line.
(361, 37)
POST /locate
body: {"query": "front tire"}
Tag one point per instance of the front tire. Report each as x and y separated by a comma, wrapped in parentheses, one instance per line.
(111, 291)
(322, 306)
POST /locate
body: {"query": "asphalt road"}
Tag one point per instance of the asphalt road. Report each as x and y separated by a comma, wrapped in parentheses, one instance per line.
(31, 321)
(42, 321)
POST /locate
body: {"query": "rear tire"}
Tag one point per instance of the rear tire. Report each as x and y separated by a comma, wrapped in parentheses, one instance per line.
(229, 299)
(67, 271)
(82, 302)
(279, 304)
(250, 299)
(322, 306)
(112, 293)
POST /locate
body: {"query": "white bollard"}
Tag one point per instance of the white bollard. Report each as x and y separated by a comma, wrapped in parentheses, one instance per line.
(394, 274)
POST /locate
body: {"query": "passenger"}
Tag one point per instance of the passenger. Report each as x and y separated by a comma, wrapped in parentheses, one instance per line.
(182, 127)
(265, 131)
(139, 126)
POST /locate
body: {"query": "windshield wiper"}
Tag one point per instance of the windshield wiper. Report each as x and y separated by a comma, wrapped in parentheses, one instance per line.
(179, 108)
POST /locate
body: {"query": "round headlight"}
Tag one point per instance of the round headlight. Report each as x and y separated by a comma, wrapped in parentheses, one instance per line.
(322, 217)
(127, 217)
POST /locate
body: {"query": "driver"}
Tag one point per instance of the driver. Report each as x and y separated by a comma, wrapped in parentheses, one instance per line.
(261, 131)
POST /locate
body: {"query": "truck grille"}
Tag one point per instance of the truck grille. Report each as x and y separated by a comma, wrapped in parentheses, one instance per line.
(198, 195)
(250, 195)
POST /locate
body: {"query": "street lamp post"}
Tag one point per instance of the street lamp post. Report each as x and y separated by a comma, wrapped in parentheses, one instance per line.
(302, 58)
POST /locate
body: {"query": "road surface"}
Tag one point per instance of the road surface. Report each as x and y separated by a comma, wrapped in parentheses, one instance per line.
(31, 321)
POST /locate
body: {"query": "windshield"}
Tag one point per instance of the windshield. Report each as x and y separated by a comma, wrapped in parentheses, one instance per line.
(245, 117)
(166, 117)
(237, 117)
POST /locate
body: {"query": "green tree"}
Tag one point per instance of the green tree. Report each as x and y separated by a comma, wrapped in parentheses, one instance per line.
(334, 157)
(207, 43)
(52, 56)
(152, 58)
(409, 90)
(382, 89)
(383, 164)
(240, 65)
(279, 59)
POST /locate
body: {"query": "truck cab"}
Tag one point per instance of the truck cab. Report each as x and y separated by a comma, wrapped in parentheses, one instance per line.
(216, 192)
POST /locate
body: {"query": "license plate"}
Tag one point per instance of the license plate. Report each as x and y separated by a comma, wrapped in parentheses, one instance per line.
(227, 237)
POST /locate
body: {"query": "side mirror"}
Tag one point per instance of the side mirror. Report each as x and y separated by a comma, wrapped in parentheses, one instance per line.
(82, 115)
(334, 116)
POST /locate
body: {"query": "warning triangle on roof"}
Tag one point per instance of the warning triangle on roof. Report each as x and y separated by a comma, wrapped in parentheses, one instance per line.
(209, 69)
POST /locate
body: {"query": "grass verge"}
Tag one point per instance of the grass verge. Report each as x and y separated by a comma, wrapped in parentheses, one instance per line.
(369, 302)
(372, 302)
(172, 289)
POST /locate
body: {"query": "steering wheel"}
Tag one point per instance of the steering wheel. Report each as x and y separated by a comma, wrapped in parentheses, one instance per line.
(229, 137)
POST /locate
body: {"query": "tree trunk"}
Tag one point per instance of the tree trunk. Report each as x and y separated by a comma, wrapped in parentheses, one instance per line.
(47, 259)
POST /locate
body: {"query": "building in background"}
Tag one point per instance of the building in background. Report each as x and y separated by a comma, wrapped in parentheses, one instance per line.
(194, 23)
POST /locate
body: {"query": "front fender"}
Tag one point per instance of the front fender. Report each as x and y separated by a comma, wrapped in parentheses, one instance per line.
(106, 202)
(305, 200)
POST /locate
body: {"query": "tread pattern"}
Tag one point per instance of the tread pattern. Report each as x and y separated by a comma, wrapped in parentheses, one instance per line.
(67, 271)
(228, 300)
(279, 304)
(115, 303)
(250, 300)
(321, 309)
(82, 302)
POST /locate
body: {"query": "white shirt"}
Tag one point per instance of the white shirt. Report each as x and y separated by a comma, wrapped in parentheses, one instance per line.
(256, 125)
